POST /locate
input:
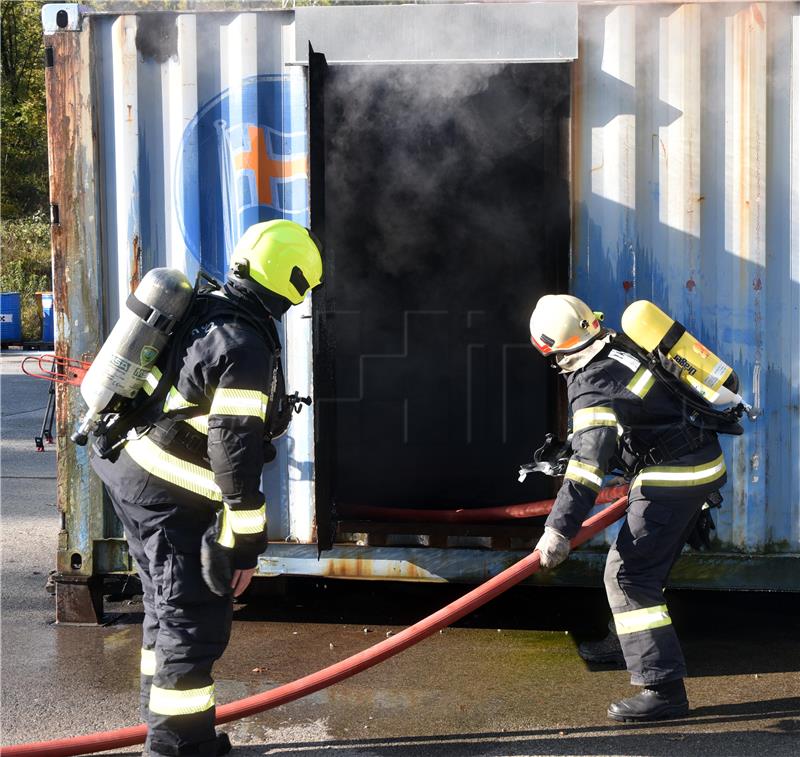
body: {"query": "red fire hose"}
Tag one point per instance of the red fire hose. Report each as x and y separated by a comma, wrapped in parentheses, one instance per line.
(98, 742)
(466, 515)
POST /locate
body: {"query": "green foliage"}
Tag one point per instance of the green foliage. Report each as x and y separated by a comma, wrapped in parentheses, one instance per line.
(23, 150)
(26, 266)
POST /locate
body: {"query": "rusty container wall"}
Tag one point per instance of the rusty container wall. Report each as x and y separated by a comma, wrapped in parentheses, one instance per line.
(204, 133)
(687, 192)
(170, 132)
(74, 192)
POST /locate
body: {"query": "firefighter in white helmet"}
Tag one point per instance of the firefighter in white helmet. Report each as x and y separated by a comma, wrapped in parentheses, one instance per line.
(623, 419)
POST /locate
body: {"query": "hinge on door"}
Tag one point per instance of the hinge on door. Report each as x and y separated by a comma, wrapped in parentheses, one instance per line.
(49, 57)
(54, 215)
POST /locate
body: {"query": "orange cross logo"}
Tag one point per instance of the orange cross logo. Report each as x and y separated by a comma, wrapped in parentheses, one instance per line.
(265, 168)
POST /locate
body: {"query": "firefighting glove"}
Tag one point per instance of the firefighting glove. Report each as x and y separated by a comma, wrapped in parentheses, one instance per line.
(269, 451)
(700, 537)
(553, 548)
(216, 561)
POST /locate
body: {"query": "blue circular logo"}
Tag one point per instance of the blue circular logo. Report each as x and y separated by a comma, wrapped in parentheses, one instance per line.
(243, 159)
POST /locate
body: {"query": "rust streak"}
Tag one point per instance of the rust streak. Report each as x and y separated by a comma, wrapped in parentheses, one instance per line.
(355, 568)
(136, 263)
(758, 16)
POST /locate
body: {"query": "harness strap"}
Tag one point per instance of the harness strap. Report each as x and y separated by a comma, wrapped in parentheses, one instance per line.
(670, 339)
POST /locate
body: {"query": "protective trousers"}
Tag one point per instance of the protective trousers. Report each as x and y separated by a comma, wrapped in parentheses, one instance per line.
(638, 564)
(185, 630)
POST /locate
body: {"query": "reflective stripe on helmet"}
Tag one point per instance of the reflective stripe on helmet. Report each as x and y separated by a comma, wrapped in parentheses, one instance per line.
(239, 402)
(147, 664)
(642, 620)
(680, 475)
(186, 702)
(589, 417)
(148, 455)
(641, 383)
(237, 522)
(584, 473)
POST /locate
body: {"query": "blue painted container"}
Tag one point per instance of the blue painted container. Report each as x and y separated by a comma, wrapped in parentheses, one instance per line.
(46, 312)
(684, 151)
(10, 318)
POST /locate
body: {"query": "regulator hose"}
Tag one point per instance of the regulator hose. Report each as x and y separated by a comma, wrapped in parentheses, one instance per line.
(124, 737)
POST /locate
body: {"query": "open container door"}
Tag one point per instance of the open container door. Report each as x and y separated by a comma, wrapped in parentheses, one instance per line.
(323, 335)
(439, 184)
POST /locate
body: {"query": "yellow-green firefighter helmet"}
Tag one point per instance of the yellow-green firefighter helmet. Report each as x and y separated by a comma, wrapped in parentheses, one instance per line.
(280, 256)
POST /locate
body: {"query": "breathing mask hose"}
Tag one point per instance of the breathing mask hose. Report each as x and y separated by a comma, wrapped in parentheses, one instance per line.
(528, 565)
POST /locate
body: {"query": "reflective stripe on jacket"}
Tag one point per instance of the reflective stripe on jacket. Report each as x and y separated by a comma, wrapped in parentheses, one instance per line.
(221, 384)
(619, 410)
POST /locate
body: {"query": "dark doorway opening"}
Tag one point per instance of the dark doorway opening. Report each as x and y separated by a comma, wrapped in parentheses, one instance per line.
(443, 195)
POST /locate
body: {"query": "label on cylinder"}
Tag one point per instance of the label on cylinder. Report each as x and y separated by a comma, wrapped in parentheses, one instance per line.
(718, 374)
(124, 376)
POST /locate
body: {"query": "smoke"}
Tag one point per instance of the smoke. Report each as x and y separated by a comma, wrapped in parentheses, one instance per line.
(430, 168)
(157, 36)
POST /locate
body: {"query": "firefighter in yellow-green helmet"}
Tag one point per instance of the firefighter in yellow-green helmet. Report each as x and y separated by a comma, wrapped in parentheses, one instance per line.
(187, 485)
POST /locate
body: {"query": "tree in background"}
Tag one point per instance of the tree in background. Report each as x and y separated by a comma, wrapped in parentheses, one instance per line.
(24, 121)
(26, 266)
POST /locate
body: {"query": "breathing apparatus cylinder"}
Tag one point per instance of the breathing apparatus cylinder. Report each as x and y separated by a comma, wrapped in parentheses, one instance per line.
(699, 368)
(127, 356)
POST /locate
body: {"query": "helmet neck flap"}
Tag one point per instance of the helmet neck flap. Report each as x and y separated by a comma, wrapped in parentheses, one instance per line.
(255, 298)
(569, 362)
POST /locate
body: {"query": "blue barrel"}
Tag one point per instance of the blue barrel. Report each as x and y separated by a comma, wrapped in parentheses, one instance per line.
(47, 316)
(10, 320)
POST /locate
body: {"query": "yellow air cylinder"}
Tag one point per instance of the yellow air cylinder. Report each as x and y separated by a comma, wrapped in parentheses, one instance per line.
(710, 377)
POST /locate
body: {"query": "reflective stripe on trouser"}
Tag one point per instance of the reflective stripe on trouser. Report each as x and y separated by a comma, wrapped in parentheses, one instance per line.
(181, 701)
(147, 664)
(637, 568)
(186, 626)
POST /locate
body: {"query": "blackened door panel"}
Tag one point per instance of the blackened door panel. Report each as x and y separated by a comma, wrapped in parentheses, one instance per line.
(446, 209)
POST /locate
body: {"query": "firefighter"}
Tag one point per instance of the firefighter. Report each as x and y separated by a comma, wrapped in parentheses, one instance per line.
(186, 484)
(624, 419)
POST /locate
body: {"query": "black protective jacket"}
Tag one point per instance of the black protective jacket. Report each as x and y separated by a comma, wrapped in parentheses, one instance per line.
(204, 416)
(624, 420)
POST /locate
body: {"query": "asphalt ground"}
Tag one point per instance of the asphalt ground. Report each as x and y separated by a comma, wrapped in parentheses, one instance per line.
(505, 681)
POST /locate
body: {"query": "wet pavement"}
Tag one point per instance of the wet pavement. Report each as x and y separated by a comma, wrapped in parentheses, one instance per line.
(506, 681)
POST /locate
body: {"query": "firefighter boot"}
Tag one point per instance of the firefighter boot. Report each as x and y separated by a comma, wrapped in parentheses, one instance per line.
(606, 651)
(654, 702)
(223, 746)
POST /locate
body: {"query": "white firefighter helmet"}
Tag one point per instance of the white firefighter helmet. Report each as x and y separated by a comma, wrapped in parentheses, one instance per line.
(562, 325)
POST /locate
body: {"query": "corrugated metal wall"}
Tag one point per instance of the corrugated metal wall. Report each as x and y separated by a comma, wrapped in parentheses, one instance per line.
(203, 132)
(686, 181)
(686, 184)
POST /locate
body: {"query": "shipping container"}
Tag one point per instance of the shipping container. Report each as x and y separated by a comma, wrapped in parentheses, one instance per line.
(458, 160)
(10, 318)
(44, 302)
